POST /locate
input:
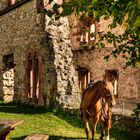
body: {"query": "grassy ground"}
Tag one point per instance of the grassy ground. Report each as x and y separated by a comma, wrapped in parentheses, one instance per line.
(57, 124)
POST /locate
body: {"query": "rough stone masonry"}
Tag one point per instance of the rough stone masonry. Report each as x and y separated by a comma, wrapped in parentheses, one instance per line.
(43, 53)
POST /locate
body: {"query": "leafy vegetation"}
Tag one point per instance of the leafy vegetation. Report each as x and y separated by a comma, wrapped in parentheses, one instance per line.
(123, 12)
(57, 124)
(136, 115)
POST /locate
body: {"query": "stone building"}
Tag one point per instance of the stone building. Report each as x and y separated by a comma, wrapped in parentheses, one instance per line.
(42, 61)
(36, 57)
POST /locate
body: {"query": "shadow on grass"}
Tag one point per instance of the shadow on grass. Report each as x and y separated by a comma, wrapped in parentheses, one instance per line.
(51, 138)
(64, 138)
(113, 136)
(68, 116)
(21, 108)
(18, 108)
(18, 138)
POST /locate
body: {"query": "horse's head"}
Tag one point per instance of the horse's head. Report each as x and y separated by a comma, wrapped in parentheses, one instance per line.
(110, 82)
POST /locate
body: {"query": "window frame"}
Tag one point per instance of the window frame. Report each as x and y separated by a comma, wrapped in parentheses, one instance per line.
(86, 25)
(33, 75)
(84, 77)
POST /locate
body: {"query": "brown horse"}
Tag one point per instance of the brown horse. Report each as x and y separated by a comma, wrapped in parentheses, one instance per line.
(97, 100)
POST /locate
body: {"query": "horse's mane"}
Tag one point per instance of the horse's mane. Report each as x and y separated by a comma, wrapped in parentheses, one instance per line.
(92, 82)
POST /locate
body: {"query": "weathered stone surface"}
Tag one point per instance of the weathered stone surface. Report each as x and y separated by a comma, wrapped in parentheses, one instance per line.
(59, 34)
(93, 60)
(24, 29)
(128, 84)
(19, 32)
(3, 4)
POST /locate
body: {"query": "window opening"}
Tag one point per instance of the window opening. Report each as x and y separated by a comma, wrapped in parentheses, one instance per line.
(30, 76)
(8, 77)
(115, 90)
(33, 77)
(87, 31)
(36, 76)
(83, 77)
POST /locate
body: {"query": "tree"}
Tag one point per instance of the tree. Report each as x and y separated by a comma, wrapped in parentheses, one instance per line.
(122, 12)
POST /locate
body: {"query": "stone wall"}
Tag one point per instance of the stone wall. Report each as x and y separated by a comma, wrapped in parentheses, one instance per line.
(128, 77)
(58, 34)
(23, 29)
(20, 30)
(3, 4)
(93, 60)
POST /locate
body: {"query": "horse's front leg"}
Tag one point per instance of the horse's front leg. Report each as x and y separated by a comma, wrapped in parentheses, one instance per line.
(102, 130)
(107, 133)
(108, 128)
(95, 122)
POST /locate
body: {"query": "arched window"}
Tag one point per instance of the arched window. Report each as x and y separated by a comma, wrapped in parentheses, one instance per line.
(33, 74)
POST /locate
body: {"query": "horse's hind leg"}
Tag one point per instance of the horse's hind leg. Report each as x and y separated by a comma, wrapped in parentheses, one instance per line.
(95, 122)
(87, 129)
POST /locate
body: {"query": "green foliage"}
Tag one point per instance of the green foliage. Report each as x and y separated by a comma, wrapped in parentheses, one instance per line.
(136, 115)
(123, 12)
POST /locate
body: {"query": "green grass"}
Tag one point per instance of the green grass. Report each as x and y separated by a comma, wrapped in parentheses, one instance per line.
(57, 124)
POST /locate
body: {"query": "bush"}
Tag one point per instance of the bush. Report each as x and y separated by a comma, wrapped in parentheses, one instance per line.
(136, 115)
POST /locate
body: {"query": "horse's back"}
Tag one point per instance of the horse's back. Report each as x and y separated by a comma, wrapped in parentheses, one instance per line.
(92, 86)
(90, 99)
(91, 92)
